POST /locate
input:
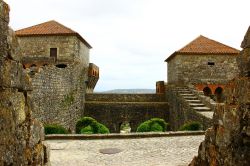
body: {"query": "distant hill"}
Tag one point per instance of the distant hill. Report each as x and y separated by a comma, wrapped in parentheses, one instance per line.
(128, 91)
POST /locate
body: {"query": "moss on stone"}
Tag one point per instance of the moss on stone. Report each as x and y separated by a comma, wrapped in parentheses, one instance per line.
(68, 99)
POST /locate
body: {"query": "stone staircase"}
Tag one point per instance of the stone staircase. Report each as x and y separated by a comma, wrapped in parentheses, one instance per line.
(194, 102)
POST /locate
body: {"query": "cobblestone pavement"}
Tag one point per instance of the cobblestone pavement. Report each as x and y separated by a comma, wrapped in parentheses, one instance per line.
(161, 151)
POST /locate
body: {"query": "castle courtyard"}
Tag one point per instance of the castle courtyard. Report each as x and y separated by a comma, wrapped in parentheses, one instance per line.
(158, 151)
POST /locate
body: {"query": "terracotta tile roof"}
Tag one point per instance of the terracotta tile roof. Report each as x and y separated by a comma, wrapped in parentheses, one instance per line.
(204, 46)
(50, 28)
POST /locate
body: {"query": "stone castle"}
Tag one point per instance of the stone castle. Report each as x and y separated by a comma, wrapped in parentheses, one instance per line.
(57, 61)
(45, 74)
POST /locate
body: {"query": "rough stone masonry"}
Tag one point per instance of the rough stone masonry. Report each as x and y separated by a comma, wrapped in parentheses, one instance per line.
(21, 141)
(227, 143)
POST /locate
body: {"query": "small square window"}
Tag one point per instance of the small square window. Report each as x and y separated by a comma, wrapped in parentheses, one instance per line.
(53, 52)
(210, 63)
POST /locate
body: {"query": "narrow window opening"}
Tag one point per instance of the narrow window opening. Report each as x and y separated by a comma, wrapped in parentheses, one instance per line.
(210, 63)
(61, 66)
(53, 52)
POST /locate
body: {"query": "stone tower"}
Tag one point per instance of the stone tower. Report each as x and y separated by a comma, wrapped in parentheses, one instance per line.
(57, 60)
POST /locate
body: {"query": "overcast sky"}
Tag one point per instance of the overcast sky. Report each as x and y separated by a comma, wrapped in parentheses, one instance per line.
(132, 38)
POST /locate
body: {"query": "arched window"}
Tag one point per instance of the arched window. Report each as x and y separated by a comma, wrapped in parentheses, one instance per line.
(125, 127)
(207, 91)
(219, 94)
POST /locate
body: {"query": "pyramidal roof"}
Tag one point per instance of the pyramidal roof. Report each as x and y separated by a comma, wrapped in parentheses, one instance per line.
(50, 28)
(204, 46)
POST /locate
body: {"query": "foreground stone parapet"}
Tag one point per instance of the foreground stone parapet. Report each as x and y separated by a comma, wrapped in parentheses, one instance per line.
(227, 143)
(21, 141)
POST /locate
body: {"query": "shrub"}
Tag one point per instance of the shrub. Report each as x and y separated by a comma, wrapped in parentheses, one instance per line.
(191, 126)
(154, 124)
(88, 125)
(102, 129)
(87, 130)
(156, 127)
(54, 129)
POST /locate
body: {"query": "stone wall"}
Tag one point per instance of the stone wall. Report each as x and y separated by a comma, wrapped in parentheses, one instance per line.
(180, 112)
(69, 48)
(114, 109)
(195, 69)
(58, 94)
(21, 141)
(125, 97)
(227, 143)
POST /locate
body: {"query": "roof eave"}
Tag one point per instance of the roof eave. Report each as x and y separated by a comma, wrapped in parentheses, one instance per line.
(59, 34)
(171, 57)
(197, 53)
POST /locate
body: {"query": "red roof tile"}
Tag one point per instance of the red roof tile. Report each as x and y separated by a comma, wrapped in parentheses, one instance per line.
(204, 46)
(50, 28)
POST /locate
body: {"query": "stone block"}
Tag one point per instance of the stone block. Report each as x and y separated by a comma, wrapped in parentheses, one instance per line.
(10, 74)
(246, 41)
(13, 46)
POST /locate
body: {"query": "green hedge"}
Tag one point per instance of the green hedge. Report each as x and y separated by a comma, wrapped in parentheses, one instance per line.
(54, 129)
(88, 125)
(153, 125)
(191, 126)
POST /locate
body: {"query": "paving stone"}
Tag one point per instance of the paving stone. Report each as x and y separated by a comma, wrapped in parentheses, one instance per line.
(161, 151)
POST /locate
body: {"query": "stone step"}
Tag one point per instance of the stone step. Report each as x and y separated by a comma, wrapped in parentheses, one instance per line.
(196, 104)
(208, 114)
(193, 101)
(182, 89)
(186, 91)
(201, 109)
(190, 97)
(187, 94)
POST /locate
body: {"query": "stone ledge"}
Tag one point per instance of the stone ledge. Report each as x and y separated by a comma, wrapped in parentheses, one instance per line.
(122, 136)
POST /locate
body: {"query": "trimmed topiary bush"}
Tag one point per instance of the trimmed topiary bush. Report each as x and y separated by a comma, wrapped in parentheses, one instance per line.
(156, 127)
(87, 130)
(143, 127)
(88, 125)
(191, 126)
(153, 125)
(54, 129)
(102, 129)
